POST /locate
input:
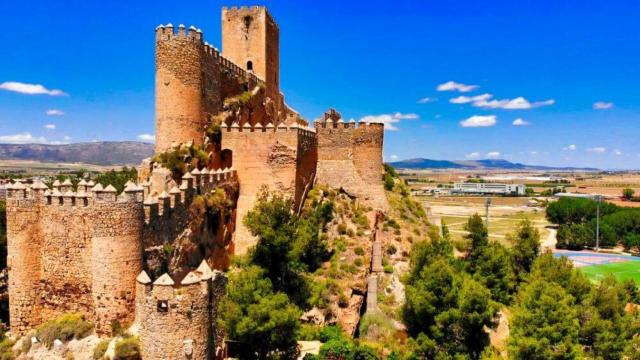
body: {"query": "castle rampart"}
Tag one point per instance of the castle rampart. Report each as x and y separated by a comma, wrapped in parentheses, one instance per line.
(177, 320)
(280, 157)
(81, 251)
(350, 157)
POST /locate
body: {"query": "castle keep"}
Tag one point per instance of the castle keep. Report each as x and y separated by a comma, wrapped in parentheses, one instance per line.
(145, 255)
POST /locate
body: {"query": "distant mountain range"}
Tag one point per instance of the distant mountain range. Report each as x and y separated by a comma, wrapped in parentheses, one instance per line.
(104, 153)
(487, 164)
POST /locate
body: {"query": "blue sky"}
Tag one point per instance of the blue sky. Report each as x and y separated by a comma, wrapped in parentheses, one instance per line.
(568, 69)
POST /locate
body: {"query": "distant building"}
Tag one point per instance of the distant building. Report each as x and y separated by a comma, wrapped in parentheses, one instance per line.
(488, 188)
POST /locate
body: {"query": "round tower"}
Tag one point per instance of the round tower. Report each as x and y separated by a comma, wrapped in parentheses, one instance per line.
(176, 319)
(23, 260)
(180, 85)
(116, 249)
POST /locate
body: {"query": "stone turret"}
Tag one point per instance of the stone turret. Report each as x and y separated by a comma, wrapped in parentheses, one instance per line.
(177, 320)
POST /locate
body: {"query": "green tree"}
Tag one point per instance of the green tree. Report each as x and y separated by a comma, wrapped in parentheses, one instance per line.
(263, 322)
(447, 311)
(117, 178)
(545, 324)
(478, 235)
(493, 268)
(274, 223)
(526, 247)
(628, 193)
(289, 245)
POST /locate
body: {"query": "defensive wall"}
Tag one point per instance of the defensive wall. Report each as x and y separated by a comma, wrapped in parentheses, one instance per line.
(279, 157)
(350, 157)
(80, 251)
(192, 81)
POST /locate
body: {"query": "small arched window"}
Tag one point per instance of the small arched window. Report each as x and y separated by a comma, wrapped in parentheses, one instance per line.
(249, 65)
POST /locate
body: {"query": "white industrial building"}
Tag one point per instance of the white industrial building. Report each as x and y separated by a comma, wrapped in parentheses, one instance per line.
(489, 188)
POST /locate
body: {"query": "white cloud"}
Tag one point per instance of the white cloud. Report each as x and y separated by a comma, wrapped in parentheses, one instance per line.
(454, 86)
(394, 157)
(147, 137)
(602, 105)
(67, 138)
(55, 112)
(30, 89)
(467, 99)
(401, 116)
(534, 153)
(493, 154)
(520, 122)
(50, 126)
(617, 152)
(22, 138)
(426, 100)
(479, 121)
(389, 119)
(597, 149)
(571, 147)
(473, 155)
(519, 103)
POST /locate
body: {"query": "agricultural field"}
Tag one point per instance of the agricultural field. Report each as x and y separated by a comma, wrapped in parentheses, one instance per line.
(504, 214)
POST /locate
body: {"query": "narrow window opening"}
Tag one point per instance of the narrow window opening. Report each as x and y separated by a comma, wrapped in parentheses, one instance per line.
(249, 65)
(163, 306)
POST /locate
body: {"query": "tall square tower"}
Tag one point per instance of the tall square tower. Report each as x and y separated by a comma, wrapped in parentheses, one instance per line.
(251, 39)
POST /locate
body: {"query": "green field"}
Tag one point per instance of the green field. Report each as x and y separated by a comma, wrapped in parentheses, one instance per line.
(621, 271)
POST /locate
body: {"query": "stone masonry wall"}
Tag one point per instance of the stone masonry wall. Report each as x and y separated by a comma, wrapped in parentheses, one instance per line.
(72, 254)
(249, 34)
(177, 321)
(350, 157)
(279, 158)
(192, 80)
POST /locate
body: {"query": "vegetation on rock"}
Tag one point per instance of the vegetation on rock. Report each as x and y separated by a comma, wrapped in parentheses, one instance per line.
(65, 328)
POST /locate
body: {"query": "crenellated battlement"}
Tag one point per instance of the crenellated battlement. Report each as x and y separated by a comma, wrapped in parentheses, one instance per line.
(177, 318)
(157, 206)
(235, 127)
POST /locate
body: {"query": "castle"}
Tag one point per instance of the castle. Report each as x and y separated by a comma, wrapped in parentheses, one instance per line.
(145, 255)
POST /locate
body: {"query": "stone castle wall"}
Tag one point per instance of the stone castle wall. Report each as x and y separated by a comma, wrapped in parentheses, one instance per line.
(71, 253)
(281, 158)
(250, 38)
(192, 81)
(350, 157)
(81, 251)
(177, 321)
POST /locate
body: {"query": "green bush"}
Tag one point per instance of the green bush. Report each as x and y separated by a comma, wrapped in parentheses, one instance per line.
(342, 229)
(391, 249)
(358, 262)
(100, 349)
(388, 269)
(128, 349)
(65, 328)
(359, 251)
(6, 349)
(309, 332)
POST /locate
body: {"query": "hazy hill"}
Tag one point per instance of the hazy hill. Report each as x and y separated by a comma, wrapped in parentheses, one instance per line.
(498, 164)
(96, 153)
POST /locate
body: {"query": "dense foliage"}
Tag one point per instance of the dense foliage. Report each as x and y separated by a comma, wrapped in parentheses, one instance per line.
(261, 312)
(446, 309)
(117, 178)
(559, 314)
(577, 220)
(182, 159)
(261, 320)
